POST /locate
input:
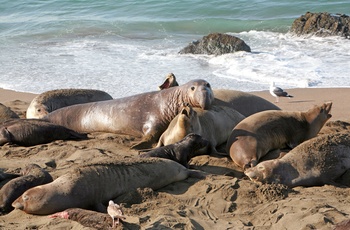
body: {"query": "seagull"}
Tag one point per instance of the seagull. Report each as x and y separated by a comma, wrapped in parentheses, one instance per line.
(278, 92)
(115, 212)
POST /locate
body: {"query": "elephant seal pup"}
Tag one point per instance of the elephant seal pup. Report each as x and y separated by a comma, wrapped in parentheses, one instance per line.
(318, 161)
(245, 103)
(87, 218)
(6, 114)
(92, 185)
(214, 125)
(144, 115)
(181, 151)
(28, 132)
(262, 132)
(32, 175)
(51, 100)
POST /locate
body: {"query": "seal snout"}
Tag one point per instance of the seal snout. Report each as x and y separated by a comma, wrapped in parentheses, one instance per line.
(17, 204)
(252, 174)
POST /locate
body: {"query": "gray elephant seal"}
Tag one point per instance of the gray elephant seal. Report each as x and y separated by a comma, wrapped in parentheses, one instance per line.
(214, 125)
(181, 151)
(262, 132)
(89, 186)
(51, 100)
(6, 114)
(318, 161)
(145, 115)
(28, 132)
(32, 175)
(245, 103)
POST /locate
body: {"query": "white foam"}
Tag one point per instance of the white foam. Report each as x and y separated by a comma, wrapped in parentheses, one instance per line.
(123, 67)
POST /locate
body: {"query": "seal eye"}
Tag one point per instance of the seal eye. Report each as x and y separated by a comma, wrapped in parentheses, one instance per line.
(208, 85)
(25, 197)
(193, 88)
(38, 110)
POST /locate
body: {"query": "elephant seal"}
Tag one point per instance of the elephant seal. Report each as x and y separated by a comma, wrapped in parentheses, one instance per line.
(315, 162)
(245, 103)
(6, 114)
(51, 100)
(144, 115)
(181, 151)
(262, 132)
(214, 125)
(87, 218)
(28, 132)
(92, 185)
(32, 175)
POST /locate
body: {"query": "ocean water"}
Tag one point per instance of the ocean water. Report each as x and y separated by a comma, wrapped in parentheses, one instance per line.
(128, 47)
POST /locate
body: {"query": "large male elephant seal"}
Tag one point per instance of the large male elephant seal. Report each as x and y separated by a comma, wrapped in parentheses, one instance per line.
(32, 175)
(51, 100)
(6, 114)
(144, 115)
(262, 132)
(89, 186)
(28, 132)
(214, 125)
(245, 103)
(181, 151)
(318, 161)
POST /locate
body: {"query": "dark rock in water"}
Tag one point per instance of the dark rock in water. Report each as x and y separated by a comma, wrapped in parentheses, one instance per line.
(217, 44)
(322, 24)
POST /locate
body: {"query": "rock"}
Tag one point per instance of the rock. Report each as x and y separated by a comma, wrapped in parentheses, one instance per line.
(322, 24)
(217, 44)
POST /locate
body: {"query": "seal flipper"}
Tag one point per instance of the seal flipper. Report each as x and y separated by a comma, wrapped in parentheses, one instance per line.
(197, 174)
(145, 143)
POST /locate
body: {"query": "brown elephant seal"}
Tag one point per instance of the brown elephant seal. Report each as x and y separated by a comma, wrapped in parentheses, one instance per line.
(6, 114)
(144, 115)
(244, 103)
(318, 161)
(92, 185)
(181, 151)
(87, 218)
(214, 125)
(28, 132)
(344, 225)
(51, 100)
(32, 175)
(265, 131)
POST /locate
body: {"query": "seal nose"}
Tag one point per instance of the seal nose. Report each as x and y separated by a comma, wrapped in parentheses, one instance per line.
(251, 174)
(17, 205)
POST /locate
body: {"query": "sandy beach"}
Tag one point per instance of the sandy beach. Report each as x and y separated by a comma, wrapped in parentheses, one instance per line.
(225, 199)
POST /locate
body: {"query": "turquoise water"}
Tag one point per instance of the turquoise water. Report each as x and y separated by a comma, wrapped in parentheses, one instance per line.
(128, 47)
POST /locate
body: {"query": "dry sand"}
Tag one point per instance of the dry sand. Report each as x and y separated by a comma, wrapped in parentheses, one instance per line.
(224, 200)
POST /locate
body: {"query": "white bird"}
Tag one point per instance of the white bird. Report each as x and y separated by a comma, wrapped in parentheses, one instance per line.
(278, 92)
(115, 212)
